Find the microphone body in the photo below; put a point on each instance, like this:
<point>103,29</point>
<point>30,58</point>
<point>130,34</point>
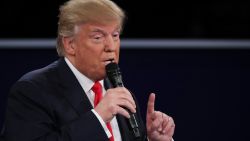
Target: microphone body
<point>114,76</point>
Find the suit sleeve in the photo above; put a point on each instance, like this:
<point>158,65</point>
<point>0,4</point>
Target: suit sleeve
<point>29,118</point>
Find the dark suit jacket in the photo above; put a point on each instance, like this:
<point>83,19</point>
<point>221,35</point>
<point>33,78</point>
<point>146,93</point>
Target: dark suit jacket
<point>49,105</point>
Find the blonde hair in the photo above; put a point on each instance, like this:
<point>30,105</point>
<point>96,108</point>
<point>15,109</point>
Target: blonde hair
<point>75,12</point>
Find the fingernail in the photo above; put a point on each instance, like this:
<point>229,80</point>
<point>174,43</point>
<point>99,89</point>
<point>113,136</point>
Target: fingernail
<point>134,111</point>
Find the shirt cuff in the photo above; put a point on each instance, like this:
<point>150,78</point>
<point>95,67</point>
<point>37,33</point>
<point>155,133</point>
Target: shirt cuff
<point>102,123</point>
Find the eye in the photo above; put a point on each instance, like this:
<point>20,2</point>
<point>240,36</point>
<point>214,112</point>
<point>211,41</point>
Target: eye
<point>116,35</point>
<point>98,38</point>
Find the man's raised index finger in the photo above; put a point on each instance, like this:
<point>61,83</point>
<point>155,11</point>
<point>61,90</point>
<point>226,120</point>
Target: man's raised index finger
<point>151,103</point>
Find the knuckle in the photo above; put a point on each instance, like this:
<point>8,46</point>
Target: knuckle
<point>170,118</point>
<point>125,102</point>
<point>123,112</point>
<point>128,103</point>
<point>173,125</point>
<point>108,92</point>
<point>123,88</point>
<point>120,89</point>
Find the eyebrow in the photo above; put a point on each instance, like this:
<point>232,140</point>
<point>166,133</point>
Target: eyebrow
<point>99,30</point>
<point>103,32</point>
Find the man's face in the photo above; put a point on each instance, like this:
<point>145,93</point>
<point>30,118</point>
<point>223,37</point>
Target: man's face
<point>95,46</point>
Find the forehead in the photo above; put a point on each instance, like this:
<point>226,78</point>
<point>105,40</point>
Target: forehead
<point>104,27</point>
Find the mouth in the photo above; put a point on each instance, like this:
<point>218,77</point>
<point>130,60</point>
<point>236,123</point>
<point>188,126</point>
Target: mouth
<point>109,61</point>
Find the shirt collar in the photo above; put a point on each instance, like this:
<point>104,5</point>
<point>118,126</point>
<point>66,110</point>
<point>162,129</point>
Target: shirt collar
<point>84,81</point>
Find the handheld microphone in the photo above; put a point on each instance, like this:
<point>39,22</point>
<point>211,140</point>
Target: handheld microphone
<point>114,76</point>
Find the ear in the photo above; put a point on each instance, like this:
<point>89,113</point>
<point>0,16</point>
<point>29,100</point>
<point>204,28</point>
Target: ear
<point>69,46</point>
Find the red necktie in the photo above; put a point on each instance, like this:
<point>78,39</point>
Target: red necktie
<point>97,89</point>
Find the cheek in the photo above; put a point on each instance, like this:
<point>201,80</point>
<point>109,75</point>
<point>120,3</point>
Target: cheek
<point>117,52</point>
<point>82,54</point>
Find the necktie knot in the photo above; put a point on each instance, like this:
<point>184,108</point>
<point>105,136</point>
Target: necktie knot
<point>97,87</point>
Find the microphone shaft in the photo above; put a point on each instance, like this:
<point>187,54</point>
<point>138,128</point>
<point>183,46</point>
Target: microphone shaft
<point>114,75</point>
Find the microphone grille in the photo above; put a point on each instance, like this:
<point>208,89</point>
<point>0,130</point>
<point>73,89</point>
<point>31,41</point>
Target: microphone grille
<point>114,74</point>
<point>112,67</point>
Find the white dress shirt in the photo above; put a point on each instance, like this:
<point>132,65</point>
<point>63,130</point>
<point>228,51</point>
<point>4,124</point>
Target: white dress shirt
<point>87,85</point>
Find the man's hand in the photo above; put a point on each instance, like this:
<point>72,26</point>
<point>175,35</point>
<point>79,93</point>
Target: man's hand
<point>114,102</point>
<point>160,127</point>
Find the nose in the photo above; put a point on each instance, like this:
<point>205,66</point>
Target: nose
<point>109,44</point>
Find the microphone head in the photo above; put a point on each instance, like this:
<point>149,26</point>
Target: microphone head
<point>114,74</point>
<point>112,67</point>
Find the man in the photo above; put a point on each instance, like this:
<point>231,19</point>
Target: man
<point>60,102</point>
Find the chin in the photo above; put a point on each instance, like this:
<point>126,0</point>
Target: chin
<point>100,76</point>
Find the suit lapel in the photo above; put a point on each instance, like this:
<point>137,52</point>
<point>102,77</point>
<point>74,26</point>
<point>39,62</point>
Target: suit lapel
<point>72,90</point>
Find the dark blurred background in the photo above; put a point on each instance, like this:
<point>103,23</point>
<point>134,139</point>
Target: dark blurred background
<point>206,90</point>
<point>146,19</point>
